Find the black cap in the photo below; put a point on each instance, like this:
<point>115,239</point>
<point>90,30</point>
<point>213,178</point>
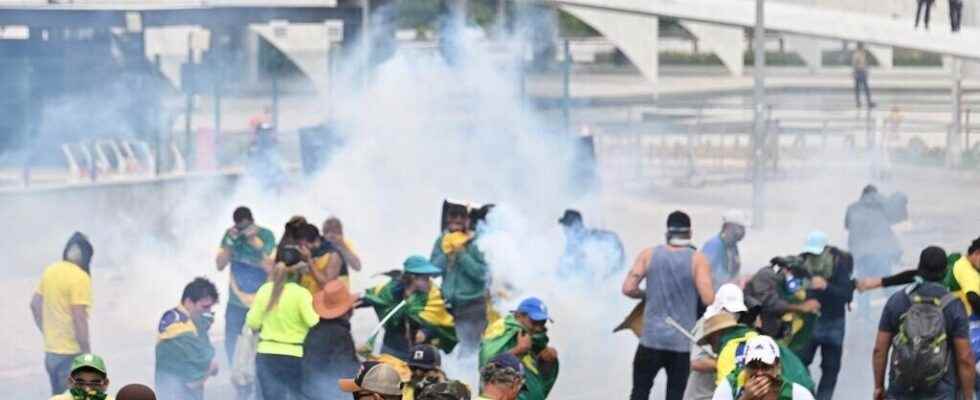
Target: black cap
<point>678,221</point>
<point>424,356</point>
<point>571,217</point>
<point>869,189</point>
<point>932,263</point>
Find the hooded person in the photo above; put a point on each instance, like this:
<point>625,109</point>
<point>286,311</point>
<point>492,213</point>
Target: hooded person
<point>422,318</point>
<point>727,338</point>
<point>701,382</point>
<point>465,275</point>
<point>60,306</point>
<point>762,377</point>
<point>524,334</point>
<point>328,350</point>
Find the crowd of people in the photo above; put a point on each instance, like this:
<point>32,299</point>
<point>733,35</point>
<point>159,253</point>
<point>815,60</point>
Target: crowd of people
<point>759,334</point>
<point>718,333</point>
<point>287,318</point>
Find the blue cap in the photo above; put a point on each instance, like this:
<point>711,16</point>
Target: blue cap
<point>816,241</point>
<point>534,308</point>
<point>420,266</point>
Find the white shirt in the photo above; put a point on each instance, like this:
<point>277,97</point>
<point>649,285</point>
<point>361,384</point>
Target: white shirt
<point>724,392</point>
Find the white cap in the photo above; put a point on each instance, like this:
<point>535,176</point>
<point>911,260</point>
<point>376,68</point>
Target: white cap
<point>761,348</point>
<point>728,298</point>
<point>737,217</point>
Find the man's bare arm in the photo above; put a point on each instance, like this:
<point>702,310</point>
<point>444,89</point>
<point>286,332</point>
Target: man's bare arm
<point>705,364</point>
<point>880,357</point>
<point>37,304</point>
<point>222,259</point>
<point>79,318</point>
<point>964,366</point>
<point>353,261</point>
<point>702,277</point>
<point>631,286</point>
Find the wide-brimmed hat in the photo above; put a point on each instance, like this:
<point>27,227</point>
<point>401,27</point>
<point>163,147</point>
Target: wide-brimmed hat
<point>719,322</point>
<point>333,300</point>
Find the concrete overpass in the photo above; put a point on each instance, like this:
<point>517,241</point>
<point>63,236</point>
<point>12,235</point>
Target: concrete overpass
<point>631,25</point>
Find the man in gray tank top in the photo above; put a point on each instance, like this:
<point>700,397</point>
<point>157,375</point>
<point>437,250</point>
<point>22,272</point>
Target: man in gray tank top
<point>677,276</point>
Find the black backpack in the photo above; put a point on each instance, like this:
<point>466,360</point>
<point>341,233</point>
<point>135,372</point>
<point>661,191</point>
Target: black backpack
<point>920,352</point>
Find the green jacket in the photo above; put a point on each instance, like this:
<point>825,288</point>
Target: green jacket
<point>501,336</point>
<point>183,348</point>
<point>465,281</point>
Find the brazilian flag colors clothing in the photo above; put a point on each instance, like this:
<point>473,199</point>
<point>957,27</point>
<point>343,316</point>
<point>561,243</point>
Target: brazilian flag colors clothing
<point>734,384</point>
<point>500,337</point>
<point>247,274</point>
<point>731,358</point>
<point>183,348</point>
<point>422,311</point>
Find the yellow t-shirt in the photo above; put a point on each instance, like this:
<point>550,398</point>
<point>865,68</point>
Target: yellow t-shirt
<point>62,286</point>
<point>320,264</point>
<point>968,279</point>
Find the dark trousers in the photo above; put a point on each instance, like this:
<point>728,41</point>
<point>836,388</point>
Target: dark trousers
<point>828,336</point>
<point>234,322</point>
<point>955,14</point>
<point>861,82</point>
<point>647,364</point>
<point>58,367</point>
<point>280,377</point>
<point>171,387</point>
<point>923,4</point>
<point>471,321</point>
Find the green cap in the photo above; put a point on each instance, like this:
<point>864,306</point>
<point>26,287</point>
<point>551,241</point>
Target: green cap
<point>89,361</point>
<point>420,266</point>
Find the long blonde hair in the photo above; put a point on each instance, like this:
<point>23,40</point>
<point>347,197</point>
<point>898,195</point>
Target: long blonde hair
<point>280,275</point>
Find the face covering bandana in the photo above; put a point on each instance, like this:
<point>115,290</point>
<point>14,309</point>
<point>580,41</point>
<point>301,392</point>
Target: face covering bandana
<point>87,394</point>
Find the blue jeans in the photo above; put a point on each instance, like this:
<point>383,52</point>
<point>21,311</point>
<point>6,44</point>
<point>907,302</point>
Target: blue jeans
<point>172,387</point>
<point>234,322</point>
<point>58,367</point>
<point>828,335</point>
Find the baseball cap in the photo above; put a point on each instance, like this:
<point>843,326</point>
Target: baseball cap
<point>90,361</point>
<point>504,362</point>
<point>450,390</point>
<point>374,377</point>
<point>420,265</point>
<point>571,217</point>
<point>816,241</point>
<point>425,356</point>
<point>729,298</point>
<point>761,348</point>
<point>736,217</point>
<point>534,308</point>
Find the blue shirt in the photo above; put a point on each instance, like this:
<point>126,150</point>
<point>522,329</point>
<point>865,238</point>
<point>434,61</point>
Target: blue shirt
<point>717,252</point>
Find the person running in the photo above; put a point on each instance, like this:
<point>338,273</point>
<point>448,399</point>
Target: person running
<point>88,379</point>
<point>283,314</point>
<point>465,275</point>
<point>722,249</point>
<point>779,290</point>
<point>524,333</point>
<point>184,354</point>
<point>591,254</point>
<point>374,381</point>
<point>248,248</point>
<point>328,350</point>
<point>870,238</point>
<point>677,277</point>
<point>761,379</point>
<point>924,313</point>
<point>502,378</point>
<point>60,307</point>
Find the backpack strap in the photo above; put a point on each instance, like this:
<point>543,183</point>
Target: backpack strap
<point>946,300</point>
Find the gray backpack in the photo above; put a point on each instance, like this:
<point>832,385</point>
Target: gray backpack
<point>920,353</point>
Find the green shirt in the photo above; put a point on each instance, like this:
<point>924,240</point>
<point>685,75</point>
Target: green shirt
<point>244,280</point>
<point>283,328</point>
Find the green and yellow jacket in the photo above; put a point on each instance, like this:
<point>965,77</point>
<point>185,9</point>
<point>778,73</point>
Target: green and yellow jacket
<point>423,311</point>
<point>183,348</point>
<point>501,336</point>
